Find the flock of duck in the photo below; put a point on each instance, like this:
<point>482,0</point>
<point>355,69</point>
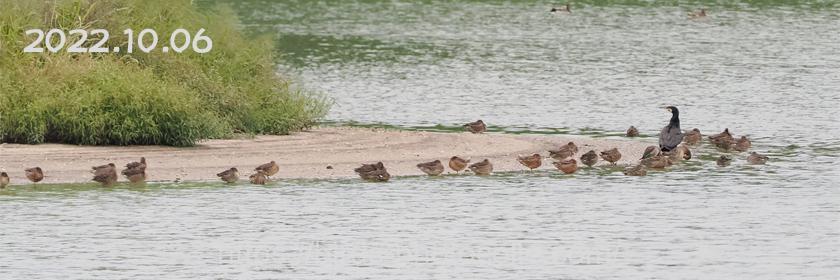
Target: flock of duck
<point>673,147</point>
<point>567,8</point>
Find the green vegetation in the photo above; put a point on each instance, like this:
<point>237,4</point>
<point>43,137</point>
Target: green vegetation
<point>155,98</point>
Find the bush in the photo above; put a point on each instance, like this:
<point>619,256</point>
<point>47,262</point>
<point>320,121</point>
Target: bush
<point>155,98</point>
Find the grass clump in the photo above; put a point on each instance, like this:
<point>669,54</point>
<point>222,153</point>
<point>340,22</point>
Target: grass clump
<point>141,98</point>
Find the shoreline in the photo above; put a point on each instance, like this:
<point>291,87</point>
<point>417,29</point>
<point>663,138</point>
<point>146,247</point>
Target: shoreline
<point>300,155</point>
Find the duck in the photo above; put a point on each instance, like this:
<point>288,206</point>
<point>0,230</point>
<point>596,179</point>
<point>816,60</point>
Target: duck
<point>724,160</point>
<point>756,158</point>
<point>611,155</point>
<point>258,178</point>
<point>432,168</point>
<point>651,151</point>
<point>229,176</point>
<point>698,14</point>
<point>476,127</point>
<point>457,164</point>
<point>135,175</point>
<point>743,144</point>
<point>34,174</point>
<point>567,166</point>
<point>671,135</point>
<point>105,174</point>
<point>693,137</point>
<point>632,132</point>
<point>636,170</point>
<point>679,154</point>
<point>565,151</point>
<point>565,8</point>
<point>483,167</point>
<point>531,161</point>
<point>135,165</point>
<point>4,180</point>
<point>269,169</point>
<point>590,158</point>
<point>378,175</point>
<point>724,136</point>
<point>657,162</point>
<point>369,167</point>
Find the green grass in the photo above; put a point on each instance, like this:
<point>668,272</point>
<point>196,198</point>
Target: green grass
<point>155,98</point>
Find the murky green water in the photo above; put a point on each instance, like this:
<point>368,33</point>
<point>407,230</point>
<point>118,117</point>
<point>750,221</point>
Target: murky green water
<point>767,69</point>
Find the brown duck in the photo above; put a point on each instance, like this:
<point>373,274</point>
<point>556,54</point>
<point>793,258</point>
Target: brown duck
<point>632,132</point>
<point>698,14</point>
<point>651,151</point>
<point>724,160</point>
<point>269,169</point>
<point>369,167</point>
<point>483,167</point>
<point>432,168</point>
<point>532,162</point>
<point>379,175</point>
<point>693,137</point>
<point>137,165</point>
<point>722,140</point>
<point>589,158</point>
<point>229,176</point>
<point>476,127</point>
<point>567,166</point>
<point>564,152</point>
<point>135,175</point>
<point>457,164</point>
<point>258,178</point>
<point>4,180</point>
<point>756,158</point>
<point>34,174</point>
<point>657,162</point>
<point>612,155</point>
<point>637,170</point>
<point>679,153</point>
<point>105,174</point>
<point>743,144</point>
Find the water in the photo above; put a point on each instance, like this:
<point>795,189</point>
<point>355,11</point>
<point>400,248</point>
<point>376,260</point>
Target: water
<point>766,69</point>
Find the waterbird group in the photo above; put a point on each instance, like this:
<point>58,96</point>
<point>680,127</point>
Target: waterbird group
<point>567,9</point>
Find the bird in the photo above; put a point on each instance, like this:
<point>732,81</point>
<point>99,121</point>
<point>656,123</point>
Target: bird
<point>671,134</point>
<point>369,167</point>
<point>657,162</point>
<point>567,166</point>
<point>698,14</point>
<point>693,137</point>
<point>632,132</point>
<point>565,8</point>
<point>134,165</point>
<point>4,180</point>
<point>269,169</point>
<point>743,144</point>
<point>483,167</point>
<point>457,164</point>
<point>565,151</point>
<point>611,155</point>
<point>722,139</point>
<point>589,158</point>
<point>432,168</point>
<point>476,127</point>
<point>531,161</point>
<point>258,178</point>
<point>636,170</point>
<point>378,175</point>
<point>34,174</point>
<point>105,174</point>
<point>679,154</point>
<point>724,160</point>
<point>651,151</point>
<point>229,176</point>
<point>756,158</point>
<point>135,175</point>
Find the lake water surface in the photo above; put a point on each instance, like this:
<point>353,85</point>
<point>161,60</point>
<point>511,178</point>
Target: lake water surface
<point>763,69</point>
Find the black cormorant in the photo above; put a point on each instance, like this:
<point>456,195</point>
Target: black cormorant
<point>671,135</point>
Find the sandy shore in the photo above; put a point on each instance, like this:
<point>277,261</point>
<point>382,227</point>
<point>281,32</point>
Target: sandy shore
<point>301,155</point>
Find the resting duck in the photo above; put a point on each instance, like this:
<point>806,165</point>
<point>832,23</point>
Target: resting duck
<point>722,140</point>
<point>105,174</point>
<point>611,155</point>
<point>724,160</point>
<point>476,127</point>
<point>651,151</point>
<point>743,144</point>
<point>679,154</point>
<point>564,152</point>
<point>698,14</point>
<point>532,162</point>
<point>632,132</point>
<point>693,137</point>
<point>258,178</point>
<point>637,170</point>
<point>373,172</point>
<point>567,166</point>
<point>369,167</point>
<point>457,164</point>
<point>432,168</point>
<point>229,176</point>
<point>483,167</point>
<point>4,180</point>
<point>657,162</point>
<point>34,174</point>
<point>136,171</point>
<point>269,169</point>
<point>756,158</point>
<point>589,158</point>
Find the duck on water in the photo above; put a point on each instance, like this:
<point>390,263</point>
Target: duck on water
<point>671,135</point>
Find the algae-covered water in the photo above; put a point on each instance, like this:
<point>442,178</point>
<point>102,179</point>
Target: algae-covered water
<point>765,69</point>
